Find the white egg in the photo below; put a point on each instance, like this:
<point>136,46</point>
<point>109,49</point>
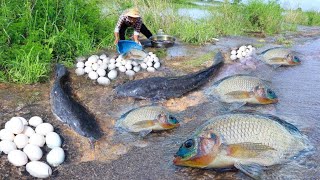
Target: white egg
<point>239,55</point>
<point>243,54</point>
<point>7,146</point>
<point>144,65</point>
<point>99,62</point>
<point>233,52</point>
<point>128,66</point>
<point>122,68</point>
<point>111,66</point>
<point>28,131</point>
<point>149,64</point>
<point>93,59</point>
<point>150,53</point>
<point>53,140</point>
<point>242,48</point>
<point>44,128</point>
<point>156,65</point>
<point>80,65</point>
<point>103,81</point>
<point>123,62</point>
<point>35,121</point>
<point>233,57</point>
<point>153,56</point>
<point>104,66</point>
<point>151,69</point>
<point>103,56</point>
<point>156,59</point>
<point>118,64</point>
<point>88,69</point>
<point>95,66</point>
<point>249,46</point>
<point>80,59</point>
<point>112,61</point>
<point>145,59</point>
<point>33,152</point>
<point>88,64</point>
<point>37,139</point>
<point>80,71</point>
<point>130,73</point>
<point>239,52</point>
<point>118,59</point>
<point>17,158</point>
<point>21,140</point>
<point>39,169</point>
<point>112,74</point>
<point>6,134</point>
<point>134,63</point>
<point>24,121</point>
<point>93,75</point>
<point>14,125</point>
<point>56,156</point>
<point>136,68</point>
<point>106,60</point>
<point>101,72</point>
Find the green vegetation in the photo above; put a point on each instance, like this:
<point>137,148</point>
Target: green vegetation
<point>36,34</point>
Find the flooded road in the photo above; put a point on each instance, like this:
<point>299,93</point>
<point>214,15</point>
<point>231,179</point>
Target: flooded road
<point>126,156</point>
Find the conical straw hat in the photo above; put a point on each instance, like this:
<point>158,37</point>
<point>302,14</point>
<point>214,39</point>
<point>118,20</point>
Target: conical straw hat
<point>133,12</point>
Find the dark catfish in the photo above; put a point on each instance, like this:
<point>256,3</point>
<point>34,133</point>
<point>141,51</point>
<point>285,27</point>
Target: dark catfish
<point>69,111</point>
<point>157,88</point>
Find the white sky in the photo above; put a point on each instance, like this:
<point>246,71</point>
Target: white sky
<point>304,4</point>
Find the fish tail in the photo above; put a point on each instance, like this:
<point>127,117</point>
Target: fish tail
<point>218,58</point>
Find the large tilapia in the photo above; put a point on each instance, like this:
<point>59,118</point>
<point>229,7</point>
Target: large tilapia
<point>157,88</point>
<point>146,119</point>
<point>243,89</point>
<point>245,141</point>
<point>280,56</point>
<point>69,111</point>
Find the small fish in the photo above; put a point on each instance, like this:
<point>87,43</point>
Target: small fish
<point>280,56</point>
<point>145,119</point>
<point>69,111</point>
<point>247,142</point>
<point>158,88</point>
<point>135,54</point>
<point>243,89</point>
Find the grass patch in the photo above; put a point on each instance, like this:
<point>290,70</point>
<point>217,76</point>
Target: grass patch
<point>199,60</point>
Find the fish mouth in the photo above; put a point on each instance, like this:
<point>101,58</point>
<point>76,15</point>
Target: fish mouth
<point>177,161</point>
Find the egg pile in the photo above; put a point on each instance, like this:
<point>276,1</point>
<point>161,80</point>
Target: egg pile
<point>104,69</point>
<point>242,52</point>
<point>22,141</point>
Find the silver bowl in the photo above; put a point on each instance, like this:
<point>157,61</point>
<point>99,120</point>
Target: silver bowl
<point>162,41</point>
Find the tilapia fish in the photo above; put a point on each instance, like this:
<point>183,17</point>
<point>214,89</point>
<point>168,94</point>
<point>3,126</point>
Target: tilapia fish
<point>243,89</point>
<point>244,141</point>
<point>69,111</point>
<point>158,88</point>
<point>135,54</point>
<point>280,56</point>
<point>146,119</point>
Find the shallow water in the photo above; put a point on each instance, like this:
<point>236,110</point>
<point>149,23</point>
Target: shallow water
<point>194,13</point>
<point>125,156</point>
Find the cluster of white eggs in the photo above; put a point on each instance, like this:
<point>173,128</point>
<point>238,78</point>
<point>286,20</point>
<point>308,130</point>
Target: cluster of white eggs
<point>104,69</point>
<point>21,142</point>
<point>242,52</point>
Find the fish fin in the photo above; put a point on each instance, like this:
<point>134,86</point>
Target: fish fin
<point>144,124</point>
<point>239,94</point>
<point>244,150</point>
<point>277,59</point>
<point>275,66</point>
<point>235,106</point>
<point>253,170</point>
<point>144,133</point>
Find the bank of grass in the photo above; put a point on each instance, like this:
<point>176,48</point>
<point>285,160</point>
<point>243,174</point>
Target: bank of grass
<point>36,34</point>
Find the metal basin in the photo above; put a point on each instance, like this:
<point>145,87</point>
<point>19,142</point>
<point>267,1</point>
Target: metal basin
<point>162,41</point>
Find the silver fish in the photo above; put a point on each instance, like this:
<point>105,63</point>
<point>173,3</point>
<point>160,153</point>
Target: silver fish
<point>245,141</point>
<point>280,56</point>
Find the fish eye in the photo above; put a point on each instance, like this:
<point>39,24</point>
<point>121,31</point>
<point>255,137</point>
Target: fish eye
<point>189,143</point>
<point>172,120</point>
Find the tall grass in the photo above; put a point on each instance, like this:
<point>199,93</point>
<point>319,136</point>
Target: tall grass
<point>309,18</point>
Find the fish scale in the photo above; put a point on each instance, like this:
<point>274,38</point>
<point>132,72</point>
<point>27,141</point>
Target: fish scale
<point>146,113</point>
<point>234,129</point>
